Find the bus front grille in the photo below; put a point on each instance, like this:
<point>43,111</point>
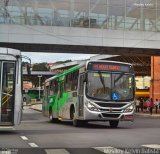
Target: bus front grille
<point>110,115</point>
<point>110,104</point>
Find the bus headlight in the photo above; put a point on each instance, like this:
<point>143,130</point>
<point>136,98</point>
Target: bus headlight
<point>129,108</point>
<point>91,107</point>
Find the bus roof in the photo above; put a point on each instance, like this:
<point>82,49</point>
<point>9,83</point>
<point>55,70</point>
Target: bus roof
<point>74,68</point>
<point>10,51</point>
<point>109,61</point>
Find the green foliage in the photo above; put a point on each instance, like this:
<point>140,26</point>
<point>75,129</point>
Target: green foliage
<point>61,62</point>
<point>40,67</point>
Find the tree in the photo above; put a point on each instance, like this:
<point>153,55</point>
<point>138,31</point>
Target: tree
<point>61,62</point>
<point>40,67</point>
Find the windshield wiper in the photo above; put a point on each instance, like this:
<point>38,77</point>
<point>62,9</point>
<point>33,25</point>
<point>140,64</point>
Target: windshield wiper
<point>121,74</point>
<point>102,80</point>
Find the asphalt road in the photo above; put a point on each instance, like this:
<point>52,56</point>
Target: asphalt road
<point>37,135</point>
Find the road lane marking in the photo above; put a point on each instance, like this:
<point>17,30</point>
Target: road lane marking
<point>24,138</point>
<point>154,146</point>
<point>33,145</point>
<point>56,151</point>
<point>110,149</point>
<point>5,152</point>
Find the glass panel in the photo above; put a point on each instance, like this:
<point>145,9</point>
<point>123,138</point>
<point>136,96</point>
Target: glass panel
<point>140,15</point>
<point>158,20</point>
<point>133,15</point>
<point>7,93</point>
<point>98,14</point>
<point>80,13</point>
<point>150,19</point>
<point>158,4</point>
<point>60,12</point>
<point>116,13</point>
<point>99,85</point>
<point>123,86</point>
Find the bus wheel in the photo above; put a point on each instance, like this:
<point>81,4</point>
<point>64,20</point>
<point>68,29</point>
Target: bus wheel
<point>51,117</point>
<point>76,123</point>
<point>113,123</point>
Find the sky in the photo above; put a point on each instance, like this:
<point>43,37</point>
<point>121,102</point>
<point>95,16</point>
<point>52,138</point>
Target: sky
<point>53,57</point>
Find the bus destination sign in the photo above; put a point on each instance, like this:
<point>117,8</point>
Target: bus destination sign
<point>108,67</point>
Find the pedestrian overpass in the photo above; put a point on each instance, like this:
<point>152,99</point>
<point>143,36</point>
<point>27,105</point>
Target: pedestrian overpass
<point>81,26</point>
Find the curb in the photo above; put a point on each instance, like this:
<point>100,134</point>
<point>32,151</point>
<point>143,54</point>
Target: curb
<point>35,109</point>
<point>147,116</point>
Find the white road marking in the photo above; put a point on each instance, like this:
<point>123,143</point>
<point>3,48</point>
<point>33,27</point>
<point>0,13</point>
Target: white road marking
<point>5,152</point>
<point>24,138</point>
<point>33,145</point>
<point>154,146</point>
<point>56,151</point>
<point>109,150</point>
<point>6,128</point>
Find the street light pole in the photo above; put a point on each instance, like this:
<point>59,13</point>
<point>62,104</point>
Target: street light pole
<point>39,76</point>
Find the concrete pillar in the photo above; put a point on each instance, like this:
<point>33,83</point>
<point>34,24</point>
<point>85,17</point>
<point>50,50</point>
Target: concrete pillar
<point>155,77</point>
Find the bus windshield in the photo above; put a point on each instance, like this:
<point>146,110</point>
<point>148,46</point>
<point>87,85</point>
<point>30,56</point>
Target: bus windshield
<point>110,86</point>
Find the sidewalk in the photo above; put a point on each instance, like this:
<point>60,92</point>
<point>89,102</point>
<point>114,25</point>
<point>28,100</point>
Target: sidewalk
<point>147,114</point>
<point>38,107</point>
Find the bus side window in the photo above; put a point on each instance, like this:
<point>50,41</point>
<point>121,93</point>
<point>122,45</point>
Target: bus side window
<point>51,89</point>
<point>75,80</point>
<point>67,84</point>
<point>61,89</point>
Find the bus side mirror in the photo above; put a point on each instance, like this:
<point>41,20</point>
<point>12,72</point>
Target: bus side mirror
<point>28,69</point>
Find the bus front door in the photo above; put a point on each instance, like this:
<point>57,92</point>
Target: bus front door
<point>81,94</point>
<point>7,91</point>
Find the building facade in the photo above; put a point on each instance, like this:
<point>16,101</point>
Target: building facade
<point>131,15</point>
<point>104,23</point>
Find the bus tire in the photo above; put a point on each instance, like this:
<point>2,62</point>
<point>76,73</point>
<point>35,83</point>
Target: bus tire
<point>51,118</point>
<point>113,123</point>
<point>75,121</point>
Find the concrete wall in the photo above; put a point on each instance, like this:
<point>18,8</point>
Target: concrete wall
<point>78,36</point>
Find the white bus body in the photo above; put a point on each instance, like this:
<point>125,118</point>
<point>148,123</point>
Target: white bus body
<point>10,87</point>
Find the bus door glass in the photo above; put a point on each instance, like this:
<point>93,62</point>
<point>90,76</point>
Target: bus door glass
<point>60,101</point>
<point>7,92</point>
<point>81,93</point>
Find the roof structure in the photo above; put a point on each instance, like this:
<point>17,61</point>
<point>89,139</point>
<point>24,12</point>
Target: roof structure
<point>141,64</point>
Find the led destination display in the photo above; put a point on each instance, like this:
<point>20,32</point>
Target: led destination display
<point>100,66</point>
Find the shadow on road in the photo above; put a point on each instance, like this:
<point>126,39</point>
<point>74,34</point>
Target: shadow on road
<point>89,125</point>
<point>8,132</point>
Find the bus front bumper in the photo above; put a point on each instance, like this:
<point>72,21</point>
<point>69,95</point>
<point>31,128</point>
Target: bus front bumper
<point>106,116</point>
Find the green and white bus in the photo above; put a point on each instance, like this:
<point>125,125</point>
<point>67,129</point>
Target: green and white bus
<point>33,93</point>
<point>95,91</point>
